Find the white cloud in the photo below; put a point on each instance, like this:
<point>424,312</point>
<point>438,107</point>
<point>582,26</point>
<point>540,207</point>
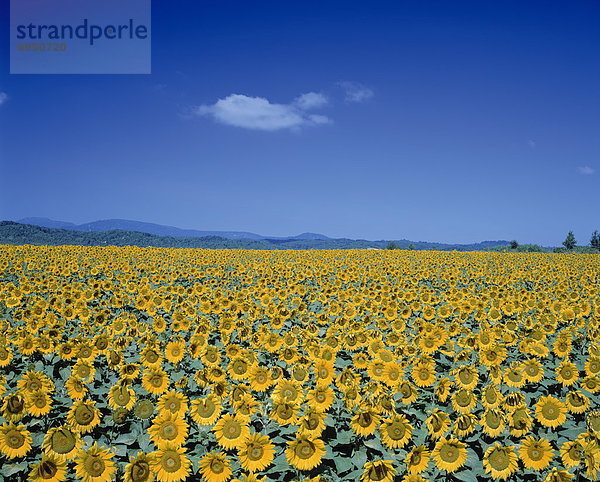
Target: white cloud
<point>355,92</point>
<point>3,97</point>
<point>586,170</point>
<point>259,113</point>
<point>311,100</point>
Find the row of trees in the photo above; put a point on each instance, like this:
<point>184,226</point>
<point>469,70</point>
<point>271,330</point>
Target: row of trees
<point>570,242</point>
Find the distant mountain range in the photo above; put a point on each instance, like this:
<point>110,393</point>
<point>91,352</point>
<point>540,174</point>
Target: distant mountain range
<point>122,232</point>
<point>157,229</point>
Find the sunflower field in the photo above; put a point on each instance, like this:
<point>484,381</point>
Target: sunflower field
<point>148,364</point>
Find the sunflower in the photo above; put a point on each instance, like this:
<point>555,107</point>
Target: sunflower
<point>15,440</point>
<point>558,475</point>
<point>378,471</point>
<point>239,368</point>
<point>288,390</point>
<point>206,411</point>
<point>550,412</point>
<point>175,351</point>
<point>83,371</point>
<point>324,372</point>
<point>364,423</point>
<point>170,464</point>
<point>284,413</point>
<point>577,402</point>
<point>143,409</point>
<point>514,377</point>
<point>215,467</point>
<point>532,370</point>
<point>535,453</point>
<point>519,421</point>
<point>493,422</point>
<point>500,462</point>
<point>49,469</point>
<point>571,453</point>
<point>76,388</point>
<point>449,454</point>
<point>567,373</point>
<point>592,365</point>
<point>231,430</point>
<point>392,374</point>
<point>95,464</point>
<point>396,432</point>
<point>33,381</point>
<point>256,452</point>
<point>14,407</point>
<point>84,416</point>
<point>39,403</point>
<point>491,397</point>
<point>442,389</point>
<point>463,401</point>
<point>155,381</point>
<point>312,423</point>
<point>173,402</point>
<point>591,383</point>
<point>465,425</point>
<point>121,396</point>
<point>321,398</point>
<point>423,374</point>
<point>305,452</point>
<point>168,429</point>
<point>260,379</point>
<point>417,459</point>
<point>151,357</point>
<point>408,393</point>
<point>466,377</point>
<point>437,423</point>
<point>62,443</point>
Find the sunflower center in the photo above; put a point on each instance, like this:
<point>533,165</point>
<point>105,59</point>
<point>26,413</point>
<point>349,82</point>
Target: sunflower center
<point>206,408</point>
<point>152,356</point>
<point>449,453</point>
<point>14,439</point>
<point>396,430</point>
<point>377,473</point>
<point>122,396</point>
<point>40,402</point>
<point>84,415</point>
<point>94,465</point>
<point>305,449</point>
<point>320,396</point>
<point>463,398</point>
<point>173,405</point>
<point>63,441</point>
<point>15,404</point>
<point>499,460</point>
<point>47,469</point>
<point>156,381</point>
<point>232,429</point>
<point>365,419</point>
<point>493,420</point>
<point>285,411</point>
<point>170,461</point>
<point>217,466</point>
<point>550,412</point>
<point>168,430</point>
<point>240,367</point>
<point>415,458</point>
<point>255,451</point>
<point>491,396</point>
<point>535,453</point>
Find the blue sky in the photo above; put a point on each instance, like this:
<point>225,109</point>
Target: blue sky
<point>437,121</point>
